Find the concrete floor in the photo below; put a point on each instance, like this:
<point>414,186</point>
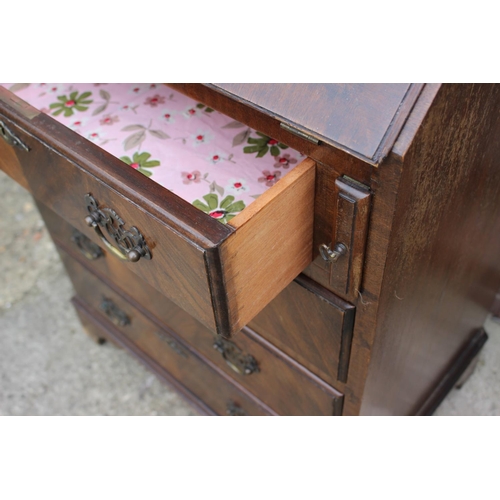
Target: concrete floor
<point>48,366</point>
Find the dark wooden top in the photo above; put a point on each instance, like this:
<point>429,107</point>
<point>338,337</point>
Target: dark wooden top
<point>361,118</point>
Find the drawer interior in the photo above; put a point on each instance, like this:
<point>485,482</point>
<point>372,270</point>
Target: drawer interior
<point>208,159</point>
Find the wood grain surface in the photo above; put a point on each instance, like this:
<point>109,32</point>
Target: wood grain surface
<point>271,245</point>
<point>281,383</point>
<point>442,268</point>
<point>361,118</point>
<point>189,376</point>
<point>305,321</point>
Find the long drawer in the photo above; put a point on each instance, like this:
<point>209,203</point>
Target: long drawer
<point>255,364</point>
<point>169,359</point>
<point>217,273</point>
<point>308,323</point>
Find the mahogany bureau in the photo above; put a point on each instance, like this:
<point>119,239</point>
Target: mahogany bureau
<point>356,285</point>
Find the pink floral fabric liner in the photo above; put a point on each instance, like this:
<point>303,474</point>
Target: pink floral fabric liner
<point>215,163</point>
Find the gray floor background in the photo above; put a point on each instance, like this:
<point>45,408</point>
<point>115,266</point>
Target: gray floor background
<point>48,366</point>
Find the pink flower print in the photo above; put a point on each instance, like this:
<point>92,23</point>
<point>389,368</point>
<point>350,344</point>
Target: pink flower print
<point>125,107</point>
<point>284,161</point>
<point>190,112</point>
<point>154,101</point>
<point>137,89</point>
<point>53,88</point>
<point>109,120</point>
<point>270,178</point>
<point>78,123</point>
<point>215,157</point>
<point>152,86</point>
<point>236,185</point>
<point>201,137</point>
<point>95,135</point>
<point>168,116</point>
<point>190,177</point>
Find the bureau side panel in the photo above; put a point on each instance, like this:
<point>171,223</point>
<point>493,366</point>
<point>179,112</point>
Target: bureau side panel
<point>442,269</point>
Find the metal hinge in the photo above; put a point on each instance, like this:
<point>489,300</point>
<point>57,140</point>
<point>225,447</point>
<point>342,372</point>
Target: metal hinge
<point>298,132</point>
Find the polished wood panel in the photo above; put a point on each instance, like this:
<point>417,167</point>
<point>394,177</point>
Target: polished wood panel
<point>360,118</point>
<point>307,322</point>
<point>281,383</point>
<point>352,210</point>
<point>442,267</point>
<point>312,325</point>
<point>177,366</point>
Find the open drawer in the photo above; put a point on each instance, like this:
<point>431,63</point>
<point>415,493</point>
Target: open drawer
<point>221,274</point>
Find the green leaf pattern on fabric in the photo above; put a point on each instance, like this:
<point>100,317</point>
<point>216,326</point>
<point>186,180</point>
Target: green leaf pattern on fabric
<point>223,211</point>
<point>262,145</point>
<point>141,162</point>
<point>204,108</point>
<point>69,104</point>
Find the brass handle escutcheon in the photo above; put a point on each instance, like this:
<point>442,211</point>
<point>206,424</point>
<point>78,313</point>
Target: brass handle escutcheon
<point>86,246</point>
<point>244,364</point>
<point>130,244</point>
<point>114,313</point>
<point>10,138</point>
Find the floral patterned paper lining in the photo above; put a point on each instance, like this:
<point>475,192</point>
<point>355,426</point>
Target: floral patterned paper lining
<point>208,159</point>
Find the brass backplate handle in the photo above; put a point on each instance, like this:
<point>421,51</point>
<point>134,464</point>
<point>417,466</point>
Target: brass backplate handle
<point>10,138</point>
<point>114,313</point>
<point>130,244</point>
<point>244,364</point>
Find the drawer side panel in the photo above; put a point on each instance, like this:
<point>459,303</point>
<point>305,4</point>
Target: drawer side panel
<point>271,246</point>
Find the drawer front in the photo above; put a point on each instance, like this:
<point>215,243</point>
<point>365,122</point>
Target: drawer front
<point>307,322</point>
<point>177,267</point>
<point>312,325</point>
<point>252,362</point>
<point>217,273</point>
<point>127,328</point>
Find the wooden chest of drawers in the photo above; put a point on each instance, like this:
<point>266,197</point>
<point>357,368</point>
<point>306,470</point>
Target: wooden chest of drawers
<point>357,284</point>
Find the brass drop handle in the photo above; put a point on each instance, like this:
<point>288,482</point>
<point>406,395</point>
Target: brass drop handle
<point>114,313</point>
<point>244,364</point>
<point>234,410</point>
<point>10,138</point>
<point>330,255</point>
<point>130,244</point>
<point>132,255</point>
